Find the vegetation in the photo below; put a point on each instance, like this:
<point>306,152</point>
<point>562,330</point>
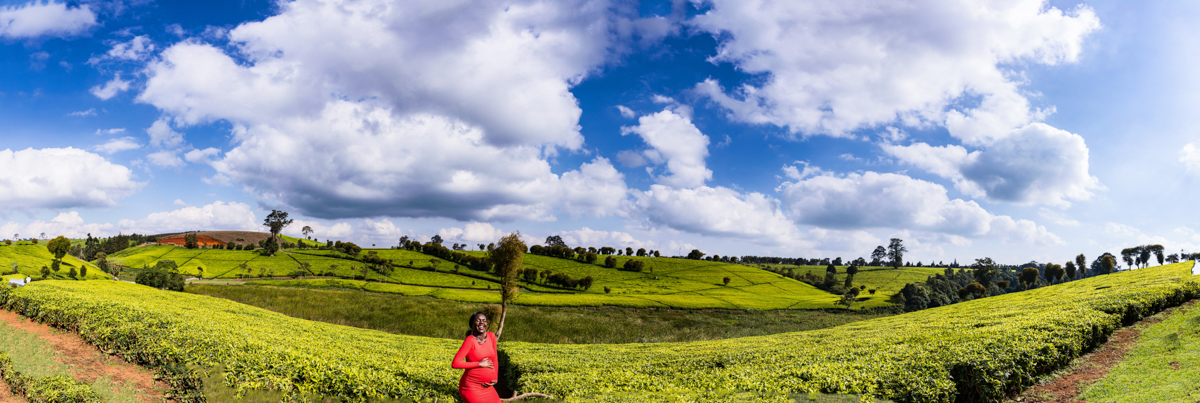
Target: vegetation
<point>431,317</point>
<point>1161,367</point>
<point>51,389</point>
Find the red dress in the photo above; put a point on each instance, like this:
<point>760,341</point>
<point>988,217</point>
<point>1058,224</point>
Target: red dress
<point>468,358</point>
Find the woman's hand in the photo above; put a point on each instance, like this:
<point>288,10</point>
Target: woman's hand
<point>489,384</point>
<point>486,363</point>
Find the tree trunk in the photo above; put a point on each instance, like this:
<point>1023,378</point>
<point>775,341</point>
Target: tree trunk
<point>503,313</point>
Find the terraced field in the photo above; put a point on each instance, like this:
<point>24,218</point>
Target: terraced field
<point>978,350</point>
<point>30,259</point>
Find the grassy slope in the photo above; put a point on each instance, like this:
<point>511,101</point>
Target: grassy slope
<point>433,317</point>
<point>665,283</point>
<point>885,280</point>
<point>30,259</point>
<point>1149,373</point>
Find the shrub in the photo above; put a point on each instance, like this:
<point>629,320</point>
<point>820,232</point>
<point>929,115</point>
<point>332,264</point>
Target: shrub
<point>726,280</point>
<point>607,290</point>
<point>633,265</point>
<point>590,257</point>
<point>610,262</point>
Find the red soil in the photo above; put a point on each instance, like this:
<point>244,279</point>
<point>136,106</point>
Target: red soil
<point>200,239</point>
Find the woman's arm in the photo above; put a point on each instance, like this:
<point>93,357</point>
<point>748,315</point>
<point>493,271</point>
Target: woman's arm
<point>460,359</point>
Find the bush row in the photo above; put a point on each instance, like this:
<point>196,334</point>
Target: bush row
<point>52,389</point>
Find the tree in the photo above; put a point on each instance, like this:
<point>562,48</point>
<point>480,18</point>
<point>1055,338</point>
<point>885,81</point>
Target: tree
<point>83,270</point>
<point>1158,253</point>
<point>102,263</point>
<point>641,252</point>
<point>977,289</point>
<point>878,255</point>
<point>43,236</point>
<point>1081,263</point>
<point>628,251</point>
<point>1070,268</point>
<point>849,297</point>
<point>985,270</point>
<point>633,265</point>
<point>1054,272</point>
<point>271,246</point>
<point>1106,264</point>
<point>162,276</point>
<point>555,240</point>
<point>438,239</point>
<point>1029,276</point>
<point>1144,255</point>
<point>189,240</point>
<point>276,221</point>
<point>307,230</point>
<point>1128,254</point>
<point>896,251</point>
<point>610,262</point>
<point>506,258</point>
<point>59,247</point>
<point>726,280</point>
<point>695,254</point>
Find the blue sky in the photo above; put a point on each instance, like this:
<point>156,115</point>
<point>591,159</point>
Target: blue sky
<point>1019,130</point>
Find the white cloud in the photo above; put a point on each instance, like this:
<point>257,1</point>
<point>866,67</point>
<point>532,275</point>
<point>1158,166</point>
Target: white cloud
<point>1037,164</point>
<point>397,107</point>
<point>111,88</point>
<point>201,156</point>
<point>1189,155</point>
<point>137,48</point>
<point>589,237</point>
<point>61,178</point>
<point>1057,217</point>
<point>217,216</point>
<point>631,159</point>
<point>472,232</point>
<point>715,211</point>
<point>161,134</point>
<point>118,145</point>
<point>89,112</point>
<point>68,224</point>
<point>874,200</point>
<point>116,130</point>
<point>678,143</point>
<point>165,158</point>
<point>180,202</point>
<point>337,230</point>
<point>49,18</point>
<point>626,112</point>
<point>833,67</point>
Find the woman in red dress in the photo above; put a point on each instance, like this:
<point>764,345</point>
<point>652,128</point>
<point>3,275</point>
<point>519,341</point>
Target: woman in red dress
<point>478,357</point>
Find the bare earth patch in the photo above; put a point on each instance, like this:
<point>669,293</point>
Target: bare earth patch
<point>1092,367</point>
<point>88,362</point>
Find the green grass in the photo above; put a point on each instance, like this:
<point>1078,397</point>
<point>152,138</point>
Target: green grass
<point>1148,373</point>
<point>886,281</point>
<point>30,259</point>
<point>432,317</point>
<point>34,357</point>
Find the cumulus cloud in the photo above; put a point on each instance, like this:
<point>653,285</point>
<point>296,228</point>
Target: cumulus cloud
<point>412,109</point>
<point>165,158</point>
<point>674,140</point>
<point>61,178</point>
<point>874,200</point>
<point>472,232</point>
<point>217,216</point>
<point>118,145</point>
<point>161,134</point>
<point>201,156</point>
<point>47,18</point>
<point>1037,164</point>
<point>626,112</point>
<point>589,237</point>
<point>180,203</point>
<point>68,224</point>
<point>138,48</point>
<point>1189,155</point>
<point>336,230</point>
<point>111,88</point>
<point>715,211</point>
<point>833,67</point>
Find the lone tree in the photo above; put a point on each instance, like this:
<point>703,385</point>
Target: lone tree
<point>1107,263</point>
<point>59,247</point>
<point>1158,252</point>
<point>555,240</point>
<point>985,270</point>
<point>436,239</point>
<point>896,251</point>
<point>307,230</point>
<point>1029,276</point>
<point>276,221</point>
<point>506,258</point>
<point>1070,268</point>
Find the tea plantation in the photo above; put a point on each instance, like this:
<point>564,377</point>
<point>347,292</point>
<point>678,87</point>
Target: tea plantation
<point>978,350</point>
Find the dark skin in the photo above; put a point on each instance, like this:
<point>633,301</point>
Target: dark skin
<point>479,330</point>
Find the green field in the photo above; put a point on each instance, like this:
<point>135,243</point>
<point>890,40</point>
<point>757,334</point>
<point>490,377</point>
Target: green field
<point>886,281</point>
<point>432,317</point>
<point>1163,365</point>
<point>30,259</point>
<point>977,350</point>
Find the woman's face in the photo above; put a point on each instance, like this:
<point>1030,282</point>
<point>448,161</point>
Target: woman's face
<point>480,324</point>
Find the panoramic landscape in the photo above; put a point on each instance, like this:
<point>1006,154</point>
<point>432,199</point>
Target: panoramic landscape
<point>599,201</point>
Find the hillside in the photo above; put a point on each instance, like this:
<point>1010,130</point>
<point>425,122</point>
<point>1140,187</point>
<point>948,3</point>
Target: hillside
<point>30,258</point>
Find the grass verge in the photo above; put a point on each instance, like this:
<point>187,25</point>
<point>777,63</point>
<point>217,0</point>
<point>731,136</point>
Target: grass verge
<point>1162,366</point>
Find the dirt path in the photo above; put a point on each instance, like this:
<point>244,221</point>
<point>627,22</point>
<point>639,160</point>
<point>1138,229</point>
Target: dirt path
<point>1090,368</point>
<point>88,362</point>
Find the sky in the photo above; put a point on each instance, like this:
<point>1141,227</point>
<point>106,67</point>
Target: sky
<point>1019,130</point>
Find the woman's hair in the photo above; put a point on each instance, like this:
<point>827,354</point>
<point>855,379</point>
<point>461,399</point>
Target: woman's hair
<point>471,322</point>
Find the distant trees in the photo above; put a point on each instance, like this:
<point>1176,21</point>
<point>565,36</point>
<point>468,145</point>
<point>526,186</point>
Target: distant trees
<point>164,276</point>
<point>1107,263</point>
<point>985,270</point>
<point>695,254</point>
<point>1081,263</point>
<point>555,240</point>
<point>1070,270</point>
<point>878,255</point>
<point>610,262</point>
<point>190,241</point>
<point>633,265</point>
<point>438,239</point>
<point>1054,273</point>
<point>726,280</point>
<point>1029,277</point>
<point>641,252</point>
<point>59,247</point>
<point>506,258</point>
<point>896,251</point>
<point>606,250</point>
<point>1157,250</point>
<point>307,230</point>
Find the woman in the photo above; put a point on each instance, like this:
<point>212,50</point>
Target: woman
<point>478,357</point>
